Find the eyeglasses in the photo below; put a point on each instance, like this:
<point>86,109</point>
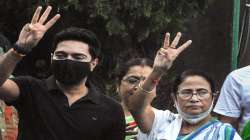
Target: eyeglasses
<point>187,94</point>
<point>133,80</point>
<point>74,57</point>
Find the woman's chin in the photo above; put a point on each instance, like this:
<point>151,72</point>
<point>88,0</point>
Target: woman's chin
<point>194,111</point>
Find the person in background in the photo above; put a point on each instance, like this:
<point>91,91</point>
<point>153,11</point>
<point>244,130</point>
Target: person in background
<point>193,94</point>
<point>8,114</point>
<point>233,105</point>
<point>65,106</point>
<point>129,75</point>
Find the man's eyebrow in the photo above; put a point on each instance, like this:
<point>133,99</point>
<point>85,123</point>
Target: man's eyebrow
<point>79,54</point>
<point>59,52</point>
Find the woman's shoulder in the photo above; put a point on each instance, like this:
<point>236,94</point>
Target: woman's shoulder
<point>227,131</point>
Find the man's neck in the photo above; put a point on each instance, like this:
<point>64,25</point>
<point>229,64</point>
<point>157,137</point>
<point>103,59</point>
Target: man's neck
<point>74,92</point>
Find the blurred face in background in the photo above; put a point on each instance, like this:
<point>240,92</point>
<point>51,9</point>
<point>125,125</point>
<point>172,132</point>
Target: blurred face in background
<point>130,81</point>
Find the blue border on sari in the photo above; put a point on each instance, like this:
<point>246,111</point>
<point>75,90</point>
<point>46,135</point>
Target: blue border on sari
<point>192,135</point>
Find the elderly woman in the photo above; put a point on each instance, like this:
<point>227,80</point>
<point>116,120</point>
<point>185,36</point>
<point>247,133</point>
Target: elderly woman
<point>193,94</point>
<point>129,75</point>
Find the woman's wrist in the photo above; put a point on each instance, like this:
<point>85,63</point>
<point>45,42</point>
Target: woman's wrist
<point>157,73</point>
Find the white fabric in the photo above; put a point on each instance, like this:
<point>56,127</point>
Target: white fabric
<point>166,126</point>
<point>193,119</point>
<point>234,98</point>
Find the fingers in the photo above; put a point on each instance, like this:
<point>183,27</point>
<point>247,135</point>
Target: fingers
<point>45,15</point>
<point>184,46</point>
<point>26,27</point>
<point>166,41</point>
<point>52,21</point>
<point>36,15</point>
<point>163,52</point>
<point>176,40</point>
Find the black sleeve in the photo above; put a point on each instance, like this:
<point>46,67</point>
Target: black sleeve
<point>117,131</point>
<point>24,84</point>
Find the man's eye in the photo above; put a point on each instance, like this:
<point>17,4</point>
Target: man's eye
<point>60,55</point>
<point>132,80</point>
<point>79,57</point>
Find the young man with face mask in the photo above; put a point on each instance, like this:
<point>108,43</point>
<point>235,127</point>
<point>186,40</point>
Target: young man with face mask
<point>65,106</point>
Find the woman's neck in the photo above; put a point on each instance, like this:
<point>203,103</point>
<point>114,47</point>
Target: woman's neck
<point>125,109</point>
<point>187,128</point>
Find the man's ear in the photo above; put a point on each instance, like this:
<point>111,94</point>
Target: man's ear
<point>93,64</point>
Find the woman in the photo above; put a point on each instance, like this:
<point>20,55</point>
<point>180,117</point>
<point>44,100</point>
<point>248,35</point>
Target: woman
<point>128,77</point>
<point>193,93</point>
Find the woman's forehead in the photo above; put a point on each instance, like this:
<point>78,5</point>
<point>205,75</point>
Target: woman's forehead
<point>139,70</point>
<point>195,82</point>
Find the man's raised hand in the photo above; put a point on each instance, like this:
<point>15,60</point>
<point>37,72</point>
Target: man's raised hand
<point>33,32</point>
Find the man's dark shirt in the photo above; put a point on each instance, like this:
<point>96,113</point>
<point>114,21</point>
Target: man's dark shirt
<point>45,114</point>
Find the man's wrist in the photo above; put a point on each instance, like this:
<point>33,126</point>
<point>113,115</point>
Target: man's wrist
<point>16,54</point>
<point>20,49</point>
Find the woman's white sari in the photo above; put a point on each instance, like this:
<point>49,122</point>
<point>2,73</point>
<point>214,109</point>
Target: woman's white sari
<point>167,126</point>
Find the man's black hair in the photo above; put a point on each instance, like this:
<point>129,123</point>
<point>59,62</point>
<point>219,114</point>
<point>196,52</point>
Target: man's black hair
<point>79,34</point>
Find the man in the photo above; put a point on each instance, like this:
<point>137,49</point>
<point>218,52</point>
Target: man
<point>65,106</point>
<point>233,105</point>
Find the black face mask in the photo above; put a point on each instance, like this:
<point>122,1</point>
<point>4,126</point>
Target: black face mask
<point>69,72</point>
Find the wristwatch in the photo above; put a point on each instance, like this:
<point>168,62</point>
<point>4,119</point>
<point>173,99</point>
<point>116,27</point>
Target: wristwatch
<point>21,50</point>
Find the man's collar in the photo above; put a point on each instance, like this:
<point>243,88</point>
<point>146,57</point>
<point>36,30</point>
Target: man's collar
<point>93,94</point>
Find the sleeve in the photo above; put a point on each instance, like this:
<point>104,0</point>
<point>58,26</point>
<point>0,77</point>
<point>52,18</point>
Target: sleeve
<point>160,117</point>
<point>117,132</point>
<point>228,103</point>
<point>24,85</point>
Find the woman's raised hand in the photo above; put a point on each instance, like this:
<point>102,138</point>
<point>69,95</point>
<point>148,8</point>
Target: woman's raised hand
<point>168,53</point>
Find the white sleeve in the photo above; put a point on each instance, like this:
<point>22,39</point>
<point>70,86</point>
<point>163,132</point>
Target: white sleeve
<point>228,103</point>
<point>237,137</point>
<point>160,117</point>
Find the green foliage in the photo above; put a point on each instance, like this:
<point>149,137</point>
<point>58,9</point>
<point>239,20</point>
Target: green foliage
<point>137,18</point>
